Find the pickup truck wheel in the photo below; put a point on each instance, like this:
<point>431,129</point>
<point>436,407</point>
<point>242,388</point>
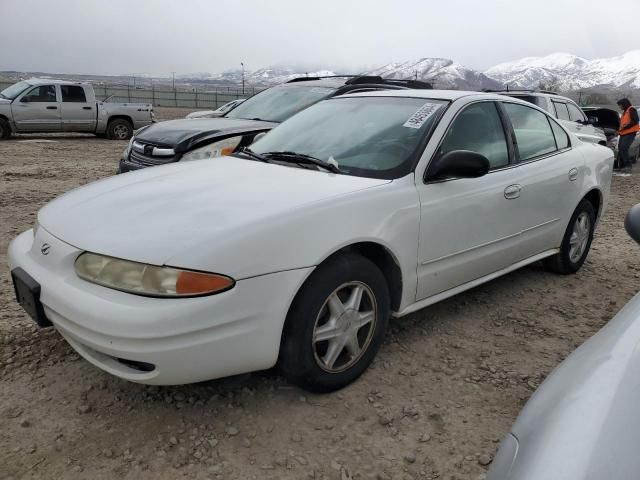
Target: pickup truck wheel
<point>576,241</point>
<point>119,129</point>
<point>5,129</point>
<point>335,325</point>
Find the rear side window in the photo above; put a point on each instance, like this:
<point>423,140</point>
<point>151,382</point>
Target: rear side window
<point>533,132</point>
<point>562,139</point>
<point>561,110</point>
<point>478,128</point>
<point>73,93</point>
<point>575,114</point>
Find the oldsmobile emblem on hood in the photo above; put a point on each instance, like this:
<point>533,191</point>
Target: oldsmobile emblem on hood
<point>44,249</point>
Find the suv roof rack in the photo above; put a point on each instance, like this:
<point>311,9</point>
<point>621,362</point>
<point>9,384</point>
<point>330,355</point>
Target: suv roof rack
<point>520,90</point>
<point>370,80</point>
<point>304,79</point>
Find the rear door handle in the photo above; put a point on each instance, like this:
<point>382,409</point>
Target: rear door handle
<point>86,108</point>
<point>573,174</point>
<point>52,108</point>
<point>512,191</point>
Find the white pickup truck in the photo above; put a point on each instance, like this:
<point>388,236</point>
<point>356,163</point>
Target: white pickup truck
<point>45,105</point>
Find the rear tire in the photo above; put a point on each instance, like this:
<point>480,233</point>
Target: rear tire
<point>119,129</point>
<point>335,325</point>
<point>5,129</point>
<point>576,241</point>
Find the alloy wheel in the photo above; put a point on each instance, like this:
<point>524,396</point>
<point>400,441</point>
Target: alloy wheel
<point>579,237</point>
<point>344,327</point>
<point>121,132</point>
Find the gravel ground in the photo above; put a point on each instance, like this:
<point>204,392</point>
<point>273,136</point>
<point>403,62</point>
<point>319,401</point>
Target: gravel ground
<point>444,389</point>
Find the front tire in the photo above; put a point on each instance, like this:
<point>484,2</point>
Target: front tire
<point>119,129</point>
<point>576,241</point>
<point>5,129</point>
<point>335,325</point>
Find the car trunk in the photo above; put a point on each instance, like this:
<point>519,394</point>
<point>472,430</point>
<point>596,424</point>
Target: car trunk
<point>607,119</point>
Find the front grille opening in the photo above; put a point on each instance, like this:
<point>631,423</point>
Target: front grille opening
<point>140,366</point>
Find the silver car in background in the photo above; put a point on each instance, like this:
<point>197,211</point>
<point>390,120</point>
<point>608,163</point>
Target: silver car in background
<point>583,423</point>
<point>218,112</point>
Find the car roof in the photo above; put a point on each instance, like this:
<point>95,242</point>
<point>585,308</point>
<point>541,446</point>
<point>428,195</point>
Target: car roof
<point>331,82</point>
<point>450,95</point>
<point>52,81</point>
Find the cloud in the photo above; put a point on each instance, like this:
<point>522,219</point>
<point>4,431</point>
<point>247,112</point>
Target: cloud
<point>161,36</point>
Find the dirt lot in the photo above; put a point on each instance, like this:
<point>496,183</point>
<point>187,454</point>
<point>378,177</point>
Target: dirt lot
<point>444,389</point>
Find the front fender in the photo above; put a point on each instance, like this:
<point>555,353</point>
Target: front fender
<point>388,215</point>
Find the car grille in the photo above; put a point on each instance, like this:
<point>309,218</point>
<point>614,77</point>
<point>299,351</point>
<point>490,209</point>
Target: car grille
<point>138,156</point>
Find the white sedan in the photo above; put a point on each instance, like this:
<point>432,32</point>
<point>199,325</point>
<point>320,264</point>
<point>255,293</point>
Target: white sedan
<point>297,251</point>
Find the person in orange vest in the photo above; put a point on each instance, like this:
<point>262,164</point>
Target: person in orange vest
<point>629,127</point>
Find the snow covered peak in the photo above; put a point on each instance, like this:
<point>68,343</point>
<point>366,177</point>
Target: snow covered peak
<point>569,72</point>
<point>441,72</point>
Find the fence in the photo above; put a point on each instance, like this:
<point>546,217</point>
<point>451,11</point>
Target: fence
<point>210,98</point>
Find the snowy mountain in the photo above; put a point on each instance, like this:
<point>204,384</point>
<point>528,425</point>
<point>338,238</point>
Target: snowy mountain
<point>570,72</point>
<point>441,72</point>
<point>267,76</point>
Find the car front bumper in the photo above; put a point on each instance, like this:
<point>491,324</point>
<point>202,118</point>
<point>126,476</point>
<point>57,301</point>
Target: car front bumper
<point>177,341</point>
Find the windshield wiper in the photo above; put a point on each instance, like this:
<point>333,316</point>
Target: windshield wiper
<point>1,95</point>
<point>250,153</point>
<point>302,158</point>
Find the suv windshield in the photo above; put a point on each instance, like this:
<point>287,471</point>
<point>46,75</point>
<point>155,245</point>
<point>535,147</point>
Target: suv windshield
<point>367,136</point>
<point>14,90</point>
<point>276,104</point>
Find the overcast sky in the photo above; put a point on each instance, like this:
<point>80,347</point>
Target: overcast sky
<point>161,36</point>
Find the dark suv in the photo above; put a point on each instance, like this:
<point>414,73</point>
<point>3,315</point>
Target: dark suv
<point>202,138</point>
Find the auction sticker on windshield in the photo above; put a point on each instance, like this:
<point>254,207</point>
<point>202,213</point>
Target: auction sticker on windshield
<point>422,115</point>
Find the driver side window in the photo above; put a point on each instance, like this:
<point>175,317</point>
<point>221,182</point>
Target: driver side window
<point>42,93</point>
<point>478,128</point>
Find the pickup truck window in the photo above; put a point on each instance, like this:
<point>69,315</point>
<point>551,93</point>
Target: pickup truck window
<point>73,93</point>
<point>42,93</point>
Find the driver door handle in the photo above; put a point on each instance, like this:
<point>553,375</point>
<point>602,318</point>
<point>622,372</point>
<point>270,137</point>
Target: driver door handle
<point>52,108</point>
<point>512,191</point>
<point>573,174</point>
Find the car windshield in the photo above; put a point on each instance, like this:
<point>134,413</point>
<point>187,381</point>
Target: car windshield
<point>367,136</point>
<point>14,90</point>
<point>279,103</point>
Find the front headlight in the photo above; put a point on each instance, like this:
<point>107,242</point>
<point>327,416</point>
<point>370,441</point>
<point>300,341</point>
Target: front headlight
<point>127,150</point>
<point>149,280</point>
<point>213,150</point>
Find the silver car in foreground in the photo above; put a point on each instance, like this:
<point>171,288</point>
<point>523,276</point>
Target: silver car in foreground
<point>583,423</point>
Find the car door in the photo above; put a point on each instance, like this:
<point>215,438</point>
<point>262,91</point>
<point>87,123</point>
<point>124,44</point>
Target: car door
<point>549,172</point>
<point>469,227</point>
<point>37,110</point>
<point>585,131</point>
<point>78,115</point>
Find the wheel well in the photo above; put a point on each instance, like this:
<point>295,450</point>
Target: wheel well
<point>385,262</point>
<point>120,117</point>
<point>595,198</point>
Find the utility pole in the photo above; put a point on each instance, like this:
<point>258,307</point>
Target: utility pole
<point>174,79</point>
<point>242,64</point>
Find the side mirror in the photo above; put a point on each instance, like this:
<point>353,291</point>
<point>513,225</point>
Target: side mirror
<point>459,164</point>
<point>593,120</point>
<point>25,99</point>
<point>632,222</point>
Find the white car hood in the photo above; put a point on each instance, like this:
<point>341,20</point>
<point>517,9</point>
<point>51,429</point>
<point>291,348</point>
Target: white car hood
<point>152,215</point>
